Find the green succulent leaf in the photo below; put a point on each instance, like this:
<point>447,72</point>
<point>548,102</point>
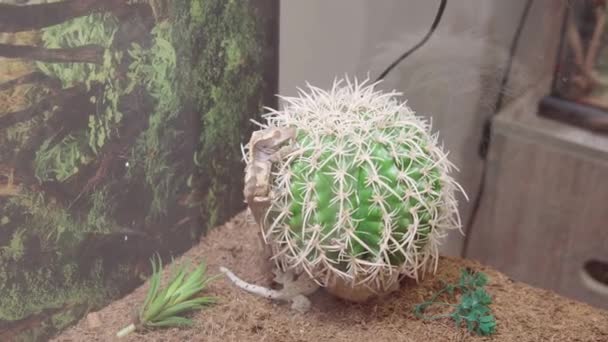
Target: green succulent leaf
<point>172,322</point>
<point>164,307</point>
<point>154,283</point>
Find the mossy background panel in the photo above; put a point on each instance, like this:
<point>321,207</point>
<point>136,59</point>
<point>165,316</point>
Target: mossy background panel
<point>120,133</point>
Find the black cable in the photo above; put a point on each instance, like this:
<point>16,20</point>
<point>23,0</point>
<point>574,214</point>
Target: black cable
<point>417,46</point>
<point>487,129</point>
<point>486,133</point>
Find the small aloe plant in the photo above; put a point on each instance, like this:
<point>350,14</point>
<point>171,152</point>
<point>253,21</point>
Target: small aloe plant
<point>165,307</point>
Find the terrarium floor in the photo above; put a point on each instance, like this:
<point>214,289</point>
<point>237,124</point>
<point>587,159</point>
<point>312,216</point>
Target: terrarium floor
<point>523,313</point>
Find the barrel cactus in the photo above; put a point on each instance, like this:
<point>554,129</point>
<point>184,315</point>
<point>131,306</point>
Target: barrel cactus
<point>363,194</point>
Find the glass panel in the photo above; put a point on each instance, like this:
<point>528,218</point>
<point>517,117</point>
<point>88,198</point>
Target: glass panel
<point>582,71</point>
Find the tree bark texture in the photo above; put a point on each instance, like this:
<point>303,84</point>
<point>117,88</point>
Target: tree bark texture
<point>34,17</point>
<point>82,54</point>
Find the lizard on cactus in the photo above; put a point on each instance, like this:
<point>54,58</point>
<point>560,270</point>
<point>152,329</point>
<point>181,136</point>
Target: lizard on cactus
<point>350,189</point>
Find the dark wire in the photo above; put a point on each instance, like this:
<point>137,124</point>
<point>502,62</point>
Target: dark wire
<point>487,129</point>
<point>417,46</point>
<point>512,52</point>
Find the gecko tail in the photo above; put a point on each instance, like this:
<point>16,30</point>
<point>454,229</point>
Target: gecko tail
<point>251,288</point>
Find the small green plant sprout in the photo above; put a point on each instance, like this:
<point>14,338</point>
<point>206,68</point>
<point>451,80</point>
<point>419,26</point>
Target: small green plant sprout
<point>473,308</point>
<point>165,308</point>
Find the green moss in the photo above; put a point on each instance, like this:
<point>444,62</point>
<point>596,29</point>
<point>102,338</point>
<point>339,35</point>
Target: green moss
<point>228,91</point>
<point>15,248</point>
<point>95,29</point>
<point>98,29</point>
<point>69,272</point>
<point>53,224</point>
<point>33,292</point>
<point>234,54</point>
<point>63,160</point>
<point>57,290</point>
<point>216,70</point>
<point>197,12</point>
<point>57,228</point>
<point>18,133</point>
<point>214,192</point>
<point>62,320</point>
<point>203,64</point>
<point>155,69</point>
<point>56,304</point>
<point>103,206</point>
<point>13,137</point>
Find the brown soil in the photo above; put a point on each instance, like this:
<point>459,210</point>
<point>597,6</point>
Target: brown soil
<point>523,313</point>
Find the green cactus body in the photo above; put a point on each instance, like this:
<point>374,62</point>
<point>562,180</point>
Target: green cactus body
<point>365,192</point>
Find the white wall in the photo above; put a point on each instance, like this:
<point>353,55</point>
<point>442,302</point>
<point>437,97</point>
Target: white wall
<point>453,79</point>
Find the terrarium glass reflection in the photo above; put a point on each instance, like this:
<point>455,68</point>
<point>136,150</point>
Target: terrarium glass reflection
<point>582,68</point>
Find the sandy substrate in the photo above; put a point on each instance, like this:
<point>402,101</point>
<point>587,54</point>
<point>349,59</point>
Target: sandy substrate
<point>523,313</point>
